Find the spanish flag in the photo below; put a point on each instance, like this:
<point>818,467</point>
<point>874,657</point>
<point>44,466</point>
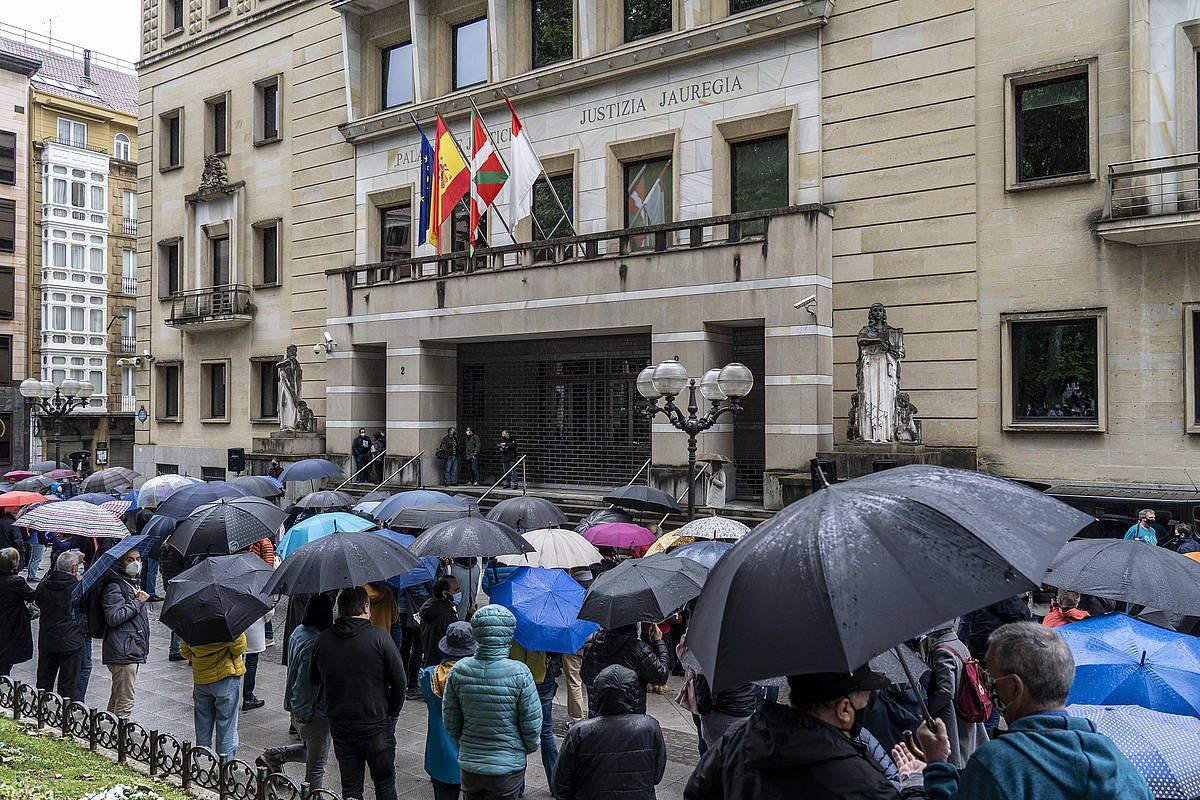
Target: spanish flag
<point>452,180</point>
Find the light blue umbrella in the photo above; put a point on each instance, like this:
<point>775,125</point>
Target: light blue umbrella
<point>417,497</point>
<point>1162,747</point>
<point>318,527</point>
<point>546,603</point>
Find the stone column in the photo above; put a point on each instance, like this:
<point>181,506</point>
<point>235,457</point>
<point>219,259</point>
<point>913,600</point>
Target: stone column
<point>422,401</point>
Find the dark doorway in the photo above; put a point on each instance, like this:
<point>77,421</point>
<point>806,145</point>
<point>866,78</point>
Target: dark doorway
<point>749,431</point>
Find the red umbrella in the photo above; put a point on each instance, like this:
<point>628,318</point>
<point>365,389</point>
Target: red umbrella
<point>21,499</point>
<point>59,474</point>
<point>19,475</point>
<point>619,534</point>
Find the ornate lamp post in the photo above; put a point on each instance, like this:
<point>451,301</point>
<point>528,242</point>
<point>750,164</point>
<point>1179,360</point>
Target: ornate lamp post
<point>722,387</point>
<point>57,402</point>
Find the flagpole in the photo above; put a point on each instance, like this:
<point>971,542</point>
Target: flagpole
<point>503,163</point>
<point>553,191</point>
<point>471,170</point>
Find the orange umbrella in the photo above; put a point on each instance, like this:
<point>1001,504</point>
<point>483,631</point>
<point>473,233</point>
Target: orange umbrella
<point>19,499</point>
<point>1193,556</point>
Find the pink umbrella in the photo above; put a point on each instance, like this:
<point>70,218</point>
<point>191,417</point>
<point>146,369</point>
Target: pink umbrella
<point>19,475</point>
<point>58,474</point>
<point>618,534</point>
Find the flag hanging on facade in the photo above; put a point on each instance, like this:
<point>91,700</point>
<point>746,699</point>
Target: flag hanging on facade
<point>425,187</point>
<point>452,179</point>
<point>526,168</point>
<point>487,173</point>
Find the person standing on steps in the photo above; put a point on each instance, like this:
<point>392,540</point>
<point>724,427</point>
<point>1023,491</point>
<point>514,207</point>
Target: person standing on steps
<point>360,448</point>
<point>448,452</point>
<point>508,458</point>
<point>471,448</point>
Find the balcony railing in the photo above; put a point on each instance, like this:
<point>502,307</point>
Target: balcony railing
<point>213,306</point>
<point>128,403</point>
<point>128,226</point>
<point>128,284</point>
<point>128,344</point>
<point>1153,186</point>
<point>75,143</point>
<point>730,229</point>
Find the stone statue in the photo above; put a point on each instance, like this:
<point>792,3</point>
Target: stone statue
<point>291,376</point>
<point>874,407</point>
<point>306,421</point>
<point>907,429</point>
<point>215,176</point>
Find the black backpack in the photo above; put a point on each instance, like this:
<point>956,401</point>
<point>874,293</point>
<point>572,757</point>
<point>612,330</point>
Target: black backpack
<point>97,625</point>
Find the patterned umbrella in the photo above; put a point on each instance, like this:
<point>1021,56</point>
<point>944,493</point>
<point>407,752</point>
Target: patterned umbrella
<point>38,483</point>
<point>95,498</point>
<point>157,489</point>
<point>73,518</point>
<point>226,526</point>
<point>326,501</point>
<point>118,507</point>
<point>113,479</point>
<point>703,529</point>
<point>11,500</point>
<point>1161,746</point>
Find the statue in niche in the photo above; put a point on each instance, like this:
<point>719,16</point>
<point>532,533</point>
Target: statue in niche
<point>876,411</point>
<point>291,376</point>
<point>215,176</point>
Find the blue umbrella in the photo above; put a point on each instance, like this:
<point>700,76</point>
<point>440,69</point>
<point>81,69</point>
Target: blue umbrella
<point>310,469</point>
<point>426,573</point>
<point>706,553</point>
<point>546,603</point>
<point>132,497</point>
<point>1123,661</point>
<point>319,526</point>
<point>102,565</point>
<point>182,503</point>
<point>95,498</point>
<point>416,497</point>
<point>1161,746</point>
<point>156,531</point>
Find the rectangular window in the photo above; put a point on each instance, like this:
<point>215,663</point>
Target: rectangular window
<point>758,178</point>
<point>97,198</point>
<point>553,31</point>
<point>268,109</point>
<point>72,133</point>
<point>219,260</point>
<point>1053,368</point>
<point>268,389</point>
<point>267,234</point>
<point>171,146</point>
<point>8,290</point>
<point>470,53</point>
<point>210,474</point>
<point>218,125</point>
<point>548,215</point>
<point>397,75</point>
<point>6,453</point>
<point>215,387</point>
<point>8,226</point>
<point>166,469</point>
<point>129,323</point>
<point>395,229</point>
<point>177,15</point>
<point>8,157</point>
<point>129,207</point>
<point>1052,128</point>
<point>738,6</point>
<point>648,197</point>
<point>646,18</point>
<point>58,191</point>
<point>78,194</point>
<point>168,382</point>
<point>96,321</point>
<point>128,382</point>
<point>169,262</point>
<point>58,254</point>
<point>77,319</point>
<point>6,374</point>
<point>58,318</point>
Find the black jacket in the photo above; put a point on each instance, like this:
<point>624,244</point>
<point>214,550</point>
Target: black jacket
<point>60,630</point>
<point>127,631</point>
<point>648,661</point>
<point>782,753</point>
<point>736,702</point>
<point>16,637</point>
<point>437,614</point>
<point>1189,545</point>
<point>362,682</point>
<point>10,536</point>
<point>989,618</point>
<point>618,754</point>
<point>360,448</point>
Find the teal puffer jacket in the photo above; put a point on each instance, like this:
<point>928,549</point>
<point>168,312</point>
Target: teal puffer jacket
<point>491,706</point>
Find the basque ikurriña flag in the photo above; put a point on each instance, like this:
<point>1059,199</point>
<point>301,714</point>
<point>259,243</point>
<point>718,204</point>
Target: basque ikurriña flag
<point>487,173</point>
<point>425,187</point>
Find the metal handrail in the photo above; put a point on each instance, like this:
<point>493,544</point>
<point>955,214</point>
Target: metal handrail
<point>611,506</point>
<point>75,144</point>
<point>381,454</point>
<point>683,494</point>
<point>524,482</point>
<point>210,302</point>
<point>1152,186</point>
<point>398,471</point>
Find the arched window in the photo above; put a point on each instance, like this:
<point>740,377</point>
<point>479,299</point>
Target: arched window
<point>121,147</point>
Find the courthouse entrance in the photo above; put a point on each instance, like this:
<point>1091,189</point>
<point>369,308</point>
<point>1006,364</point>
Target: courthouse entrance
<point>571,403</point>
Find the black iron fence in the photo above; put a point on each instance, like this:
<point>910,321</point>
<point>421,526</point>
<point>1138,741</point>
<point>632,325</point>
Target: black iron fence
<point>165,756</point>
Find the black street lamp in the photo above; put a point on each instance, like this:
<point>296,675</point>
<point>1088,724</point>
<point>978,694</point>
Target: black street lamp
<point>728,385</point>
<point>56,402</point>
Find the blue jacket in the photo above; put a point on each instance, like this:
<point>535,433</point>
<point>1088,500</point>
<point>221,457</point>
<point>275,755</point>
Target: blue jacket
<point>491,706</point>
<point>441,752</point>
<point>303,698</point>
<point>1047,756</point>
<point>495,573</point>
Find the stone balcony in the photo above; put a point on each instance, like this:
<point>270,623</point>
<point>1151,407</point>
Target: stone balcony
<point>211,308</point>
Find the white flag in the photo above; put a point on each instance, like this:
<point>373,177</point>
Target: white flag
<point>524,169</point>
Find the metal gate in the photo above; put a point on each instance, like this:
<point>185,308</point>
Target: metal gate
<point>749,431</point>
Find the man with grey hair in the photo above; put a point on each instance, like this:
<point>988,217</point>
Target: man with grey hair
<point>1045,754</point>
<point>61,637</point>
<point>1144,530</point>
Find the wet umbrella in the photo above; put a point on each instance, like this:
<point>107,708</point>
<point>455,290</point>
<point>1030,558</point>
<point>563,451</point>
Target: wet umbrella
<point>364,508</point>
<point>555,548</point>
<point>426,573</point>
<point>72,518</point>
<point>60,474</point>
<point>183,502</point>
<point>14,500</point>
<point>1162,747</point>
<point>889,663</point>
<point>327,500</point>
<point>467,501</point>
<point>1123,661</point>
<point>415,497</point>
<point>310,469</point>
<point>527,513</point>
<point>38,483</point>
<point>377,496</point>
<point>642,590</point>
<point>546,603</point>
<point>118,507</point>
<point>638,497</point>
<point>707,554</point>
<point>424,517</point>
<point>226,526</point>
<point>860,566</point>
<point>113,479</point>
<point>218,599</point>
<point>103,563</point>
<point>19,475</point>
<point>159,488</point>
<point>602,515</point>
<point>95,498</point>
<point>470,537</point>
<point>262,486</point>
<point>156,531</point>
<point>320,526</point>
<point>618,534</point>
<point>41,467</point>
<point>713,528</point>
<point>1128,571</point>
<point>341,560</point>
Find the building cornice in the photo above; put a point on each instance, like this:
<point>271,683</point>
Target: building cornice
<point>716,37</point>
<point>19,64</point>
<point>241,25</point>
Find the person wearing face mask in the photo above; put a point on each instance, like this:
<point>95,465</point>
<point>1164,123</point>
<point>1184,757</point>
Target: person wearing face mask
<point>127,631</point>
<point>1045,754</point>
<point>437,614</point>
<point>802,751</point>
<point>61,637</point>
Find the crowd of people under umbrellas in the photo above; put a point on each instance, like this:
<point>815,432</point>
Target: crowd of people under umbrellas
<point>904,623</point>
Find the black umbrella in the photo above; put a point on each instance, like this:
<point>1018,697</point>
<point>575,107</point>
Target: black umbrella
<point>257,486</point>
<point>642,590</point>
<point>48,466</point>
<point>527,513</point>
<point>181,504</point>
<point>327,500</point>
<point>218,599</point>
<point>637,497</point>
<point>424,517</point>
<point>38,483</point>
<point>113,479</point>
<point>470,537</point>
<point>1129,571</point>
<point>226,526</point>
<point>377,496</point>
<point>601,516</point>
<point>856,568</point>
<point>889,663</point>
<point>341,560</point>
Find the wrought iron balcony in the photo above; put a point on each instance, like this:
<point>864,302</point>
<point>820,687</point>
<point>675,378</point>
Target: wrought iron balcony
<point>128,404</point>
<point>211,308</point>
<point>128,226</point>
<point>128,344</point>
<point>128,285</point>
<point>76,143</point>
<point>1153,201</point>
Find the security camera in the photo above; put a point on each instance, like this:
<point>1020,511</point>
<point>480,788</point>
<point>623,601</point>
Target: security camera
<point>328,338</point>
<point>809,304</point>
<point>146,353</point>
<point>327,344</point>
<point>317,349</point>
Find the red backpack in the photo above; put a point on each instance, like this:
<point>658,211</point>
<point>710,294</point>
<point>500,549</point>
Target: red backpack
<point>973,703</point>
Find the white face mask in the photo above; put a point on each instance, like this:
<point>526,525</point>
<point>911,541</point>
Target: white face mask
<point>133,569</point>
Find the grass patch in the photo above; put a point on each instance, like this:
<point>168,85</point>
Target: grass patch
<point>44,767</point>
